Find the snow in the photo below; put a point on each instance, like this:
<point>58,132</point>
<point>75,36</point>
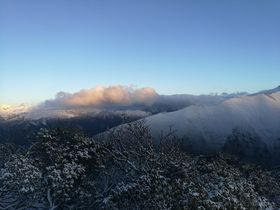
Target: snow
<point>257,113</point>
<point>10,111</point>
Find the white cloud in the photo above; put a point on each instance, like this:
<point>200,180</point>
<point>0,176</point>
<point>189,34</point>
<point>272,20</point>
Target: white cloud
<point>103,97</point>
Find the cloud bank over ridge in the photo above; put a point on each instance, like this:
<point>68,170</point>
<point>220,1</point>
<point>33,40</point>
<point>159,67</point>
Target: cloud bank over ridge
<point>110,98</point>
<point>100,97</point>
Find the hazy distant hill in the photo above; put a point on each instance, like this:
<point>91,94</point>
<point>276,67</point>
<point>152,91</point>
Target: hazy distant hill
<point>22,131</point>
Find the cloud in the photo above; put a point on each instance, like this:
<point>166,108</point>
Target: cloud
<point>101,97</point>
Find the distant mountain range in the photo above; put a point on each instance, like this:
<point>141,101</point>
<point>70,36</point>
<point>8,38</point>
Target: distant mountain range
<point>19,123</point>
<point>163,103</point>
<point>10,111</point>
<point>247,125</point>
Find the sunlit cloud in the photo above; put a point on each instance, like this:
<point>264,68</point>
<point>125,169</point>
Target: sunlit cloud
<point>101,96</point>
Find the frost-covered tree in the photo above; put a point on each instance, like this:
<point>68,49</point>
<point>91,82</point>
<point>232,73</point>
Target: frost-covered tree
<point>7,151</point>
<point>147,173</point>
<point>20,183</point>
<point>164,177</point>
<point>66,160</point>
<point>129,169</point>
<point>58,169</point>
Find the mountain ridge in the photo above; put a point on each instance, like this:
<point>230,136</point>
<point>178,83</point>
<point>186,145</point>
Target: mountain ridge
<point>207,128</point>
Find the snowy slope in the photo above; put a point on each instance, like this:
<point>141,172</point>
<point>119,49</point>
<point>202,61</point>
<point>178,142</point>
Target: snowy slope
<point>210,126</point>
<point>270,91</point>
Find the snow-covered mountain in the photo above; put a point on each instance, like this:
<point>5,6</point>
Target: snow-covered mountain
<point>270,91</point>
<point>11,111</point>
<point>204,128</point>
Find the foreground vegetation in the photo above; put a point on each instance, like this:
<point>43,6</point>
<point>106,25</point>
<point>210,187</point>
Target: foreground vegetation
<point>125,170</point>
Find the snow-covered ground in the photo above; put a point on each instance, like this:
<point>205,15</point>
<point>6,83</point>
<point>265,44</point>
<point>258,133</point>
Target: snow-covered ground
<point>258,114</point>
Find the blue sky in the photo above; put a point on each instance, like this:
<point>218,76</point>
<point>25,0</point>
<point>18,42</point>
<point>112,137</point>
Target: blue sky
<point>187,46</point>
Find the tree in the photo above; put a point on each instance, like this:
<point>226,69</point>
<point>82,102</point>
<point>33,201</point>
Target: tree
<point>21,183</point>
<point>65,159</point>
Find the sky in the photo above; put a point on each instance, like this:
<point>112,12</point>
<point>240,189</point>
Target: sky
<point>174,46</point>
